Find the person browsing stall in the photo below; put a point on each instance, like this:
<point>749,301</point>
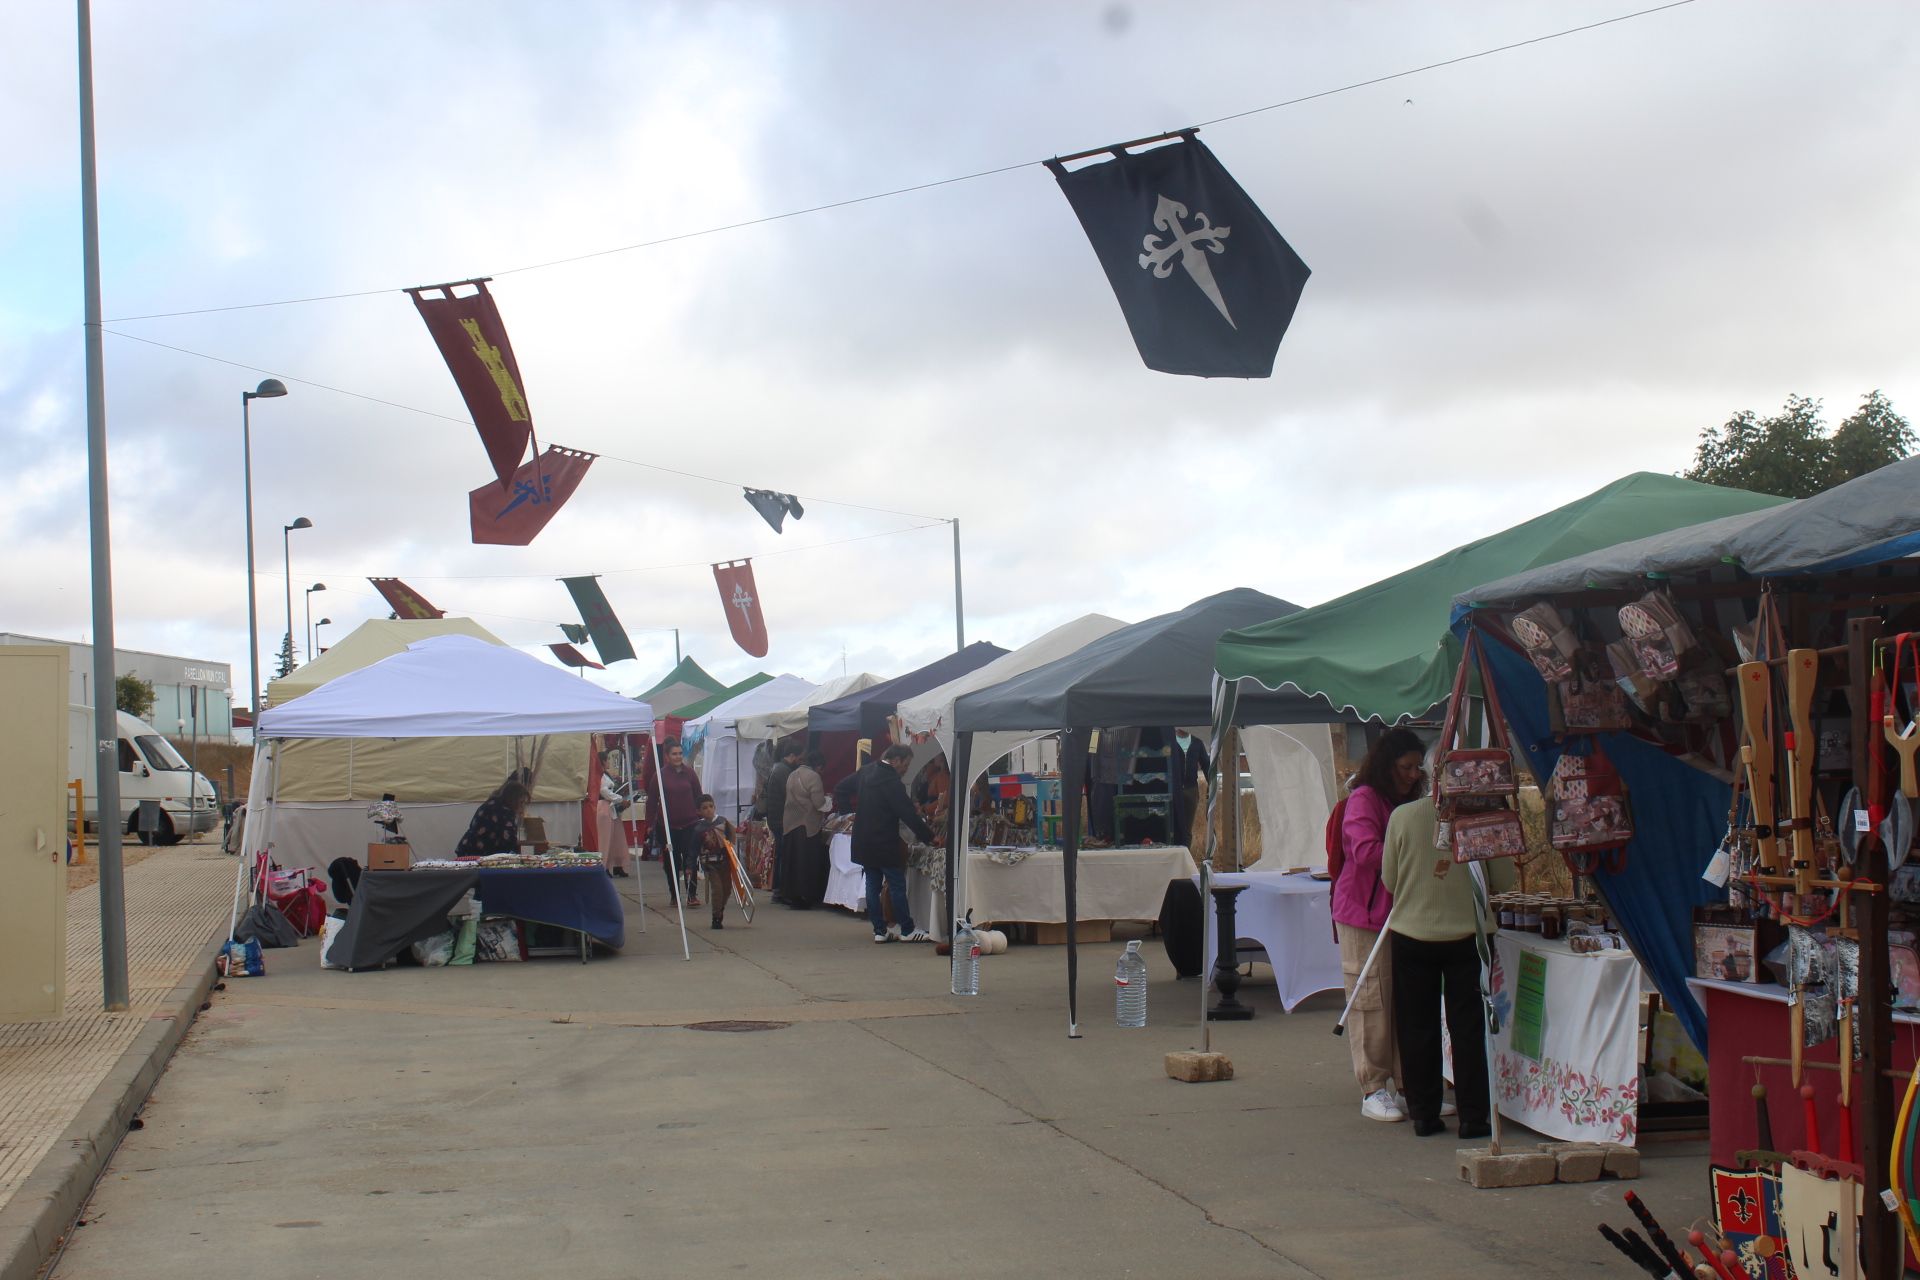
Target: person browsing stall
<point>803,861</point>
<point>1436,964</point>
<point>883,807</point>
<point>1390,776</point>
<point>495,826</point>
<point>678,786</point>
<point>773,807</point>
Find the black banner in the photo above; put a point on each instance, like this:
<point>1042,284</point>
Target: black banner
<point>609,637</point>
<point>1207,285</point>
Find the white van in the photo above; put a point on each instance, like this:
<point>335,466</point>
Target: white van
<point>150,769</point>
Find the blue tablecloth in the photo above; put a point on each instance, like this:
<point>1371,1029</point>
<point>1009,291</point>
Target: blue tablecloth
<point>582,899</point>
<point>393,909</point>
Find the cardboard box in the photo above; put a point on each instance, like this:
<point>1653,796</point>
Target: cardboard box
<point>389,857</point>
<point>1084,931</point>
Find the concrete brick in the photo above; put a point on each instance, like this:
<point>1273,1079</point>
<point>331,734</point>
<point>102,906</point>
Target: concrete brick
<point>1580,1164</point>
<point>1521,1168</point>
<point>1622,1162</point>
<point>1199,1068</point>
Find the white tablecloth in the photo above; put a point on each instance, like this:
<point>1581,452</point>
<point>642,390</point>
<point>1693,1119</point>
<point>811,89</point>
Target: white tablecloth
<point>1581,1081</point>
<point>847,886</point>
<point>1115,884</point>
<point>1292,917</point>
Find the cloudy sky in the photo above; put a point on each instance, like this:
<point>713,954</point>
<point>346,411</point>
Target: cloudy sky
<point>1532,273</point>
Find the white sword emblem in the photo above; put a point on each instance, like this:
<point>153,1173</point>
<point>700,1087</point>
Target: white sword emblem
<point>743,602</point>
<point>1189,247</point>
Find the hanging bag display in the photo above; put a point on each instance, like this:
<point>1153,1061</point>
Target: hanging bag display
<point>1589,700</point>
<point>1546,639</point>
<point>1660,637</point>
<point>1472,784</point>
<point>1587,811</point>
<point>1473,773</point>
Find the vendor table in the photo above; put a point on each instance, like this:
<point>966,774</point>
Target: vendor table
<point>1567,1059</point>
<point>1749,1019</point>
<point>1291,918</point>
<point>1126,883</point>
<point>392,910</point>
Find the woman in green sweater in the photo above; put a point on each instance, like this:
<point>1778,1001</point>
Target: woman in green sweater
<point>1436,963</point>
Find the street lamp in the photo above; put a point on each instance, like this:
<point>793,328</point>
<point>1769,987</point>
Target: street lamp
<point>286,557</point>
<point>267,390</point>
<point>318,586</point>
<point>324,622</point>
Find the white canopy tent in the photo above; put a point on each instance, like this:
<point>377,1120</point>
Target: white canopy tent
<point>450,686</point>
<point>793,718</point>
<point>714,748</point>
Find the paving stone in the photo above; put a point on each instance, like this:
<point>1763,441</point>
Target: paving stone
<point>1199,1068</point>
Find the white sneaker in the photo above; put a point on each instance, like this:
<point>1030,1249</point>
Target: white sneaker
<point>918,935</point>
<point>881,937</point>
<point>893,933</point>
<point>1381,1105</point>
<point>1446,1108</point>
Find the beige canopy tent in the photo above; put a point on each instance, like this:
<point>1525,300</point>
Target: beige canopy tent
<point>325,784</point>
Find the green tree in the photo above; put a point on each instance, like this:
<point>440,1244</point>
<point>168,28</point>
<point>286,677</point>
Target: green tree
<point>286,658</point>
<point>1791,453</point>
<point>133,695</point>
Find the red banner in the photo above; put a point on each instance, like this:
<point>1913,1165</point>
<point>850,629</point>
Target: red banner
<point>573,657</point>
<point>404,600</point>
<point>473,341</point>
<point>742,603</point>
<point>539,489</point>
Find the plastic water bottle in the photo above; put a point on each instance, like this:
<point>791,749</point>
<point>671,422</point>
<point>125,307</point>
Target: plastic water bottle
<point>966,959</point>
<point>1130,988</point>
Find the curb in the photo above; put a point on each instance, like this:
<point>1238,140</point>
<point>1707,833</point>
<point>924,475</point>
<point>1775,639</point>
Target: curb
<point>34,1221</point>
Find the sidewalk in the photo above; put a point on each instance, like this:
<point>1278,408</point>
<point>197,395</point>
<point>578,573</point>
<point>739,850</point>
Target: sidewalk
<point>553,1118</point>
<point>68,1086</point>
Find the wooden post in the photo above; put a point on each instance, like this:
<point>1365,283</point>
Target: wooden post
<point>1873,1014</point>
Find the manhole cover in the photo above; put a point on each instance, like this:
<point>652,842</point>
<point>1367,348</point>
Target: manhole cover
<point>736,1025</point>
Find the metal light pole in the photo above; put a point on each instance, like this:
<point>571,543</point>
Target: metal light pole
<point>286,560</point>
<point>318,586</point>
<point>959,609</point>
<point>267,390</point>
<point>324,622</point>
<point>106,730</point>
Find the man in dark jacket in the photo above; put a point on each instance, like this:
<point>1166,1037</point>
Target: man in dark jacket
<point>882,807</point>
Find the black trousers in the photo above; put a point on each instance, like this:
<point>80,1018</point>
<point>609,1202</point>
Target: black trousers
<point>685,861</point>
<point>1426,976</point>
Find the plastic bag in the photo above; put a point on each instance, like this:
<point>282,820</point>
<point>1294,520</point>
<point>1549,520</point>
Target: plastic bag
<point>498,940</point>
<point>435,951</point>
<point>241,960</point>
<point>329,930</point>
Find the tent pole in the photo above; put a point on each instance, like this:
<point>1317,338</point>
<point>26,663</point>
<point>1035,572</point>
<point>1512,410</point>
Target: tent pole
<point>957,824</point>
<point>959,607</point>
<point>626,767</point>
<point>1073,776</point>
<point>666,839</point>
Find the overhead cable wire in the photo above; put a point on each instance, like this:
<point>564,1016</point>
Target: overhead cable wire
<point>468,422</point>
<point>921,186</point>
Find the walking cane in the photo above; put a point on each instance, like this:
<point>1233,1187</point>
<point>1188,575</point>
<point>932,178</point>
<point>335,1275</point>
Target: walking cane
<point>1340,1027</point>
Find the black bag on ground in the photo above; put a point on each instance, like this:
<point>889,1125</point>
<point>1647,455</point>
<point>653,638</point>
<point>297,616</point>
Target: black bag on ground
<point>265,924</point>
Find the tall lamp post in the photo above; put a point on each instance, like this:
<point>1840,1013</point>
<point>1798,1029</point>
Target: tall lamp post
<point>324,622</point>
<point>286,559</point>
<point>318,586</point>
<point>267,390</point>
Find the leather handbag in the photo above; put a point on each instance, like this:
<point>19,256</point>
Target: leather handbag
<point>1489,833</point>
<point>1587,808</point>
<point>1473,773</point>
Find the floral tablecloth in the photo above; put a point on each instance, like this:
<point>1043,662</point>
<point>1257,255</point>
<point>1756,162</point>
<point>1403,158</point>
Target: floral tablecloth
<point>1566,1061</point>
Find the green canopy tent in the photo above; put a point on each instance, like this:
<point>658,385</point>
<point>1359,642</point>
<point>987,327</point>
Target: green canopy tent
<point>1384,652</point>
<point>688,682</point>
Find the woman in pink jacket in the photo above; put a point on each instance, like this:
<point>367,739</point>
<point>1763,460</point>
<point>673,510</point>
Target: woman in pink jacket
<point>1390,776</point>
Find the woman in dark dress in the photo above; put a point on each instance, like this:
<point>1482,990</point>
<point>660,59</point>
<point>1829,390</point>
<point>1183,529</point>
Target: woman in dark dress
<point>496,823</point>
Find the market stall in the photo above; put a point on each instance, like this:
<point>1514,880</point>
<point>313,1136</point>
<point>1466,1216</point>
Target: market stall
<point>721,756</point>
<point>835,728</point>
<point>1737,693</point>
<point>392,910</point>
<point>1153,673</point>
<point>455,687</point>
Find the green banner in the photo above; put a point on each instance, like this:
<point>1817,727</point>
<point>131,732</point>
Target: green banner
<point>1530,1005</point>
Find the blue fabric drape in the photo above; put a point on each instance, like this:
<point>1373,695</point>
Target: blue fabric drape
<point>1679,816</point>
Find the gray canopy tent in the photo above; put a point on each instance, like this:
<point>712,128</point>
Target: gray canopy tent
<point>1157,672</point>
